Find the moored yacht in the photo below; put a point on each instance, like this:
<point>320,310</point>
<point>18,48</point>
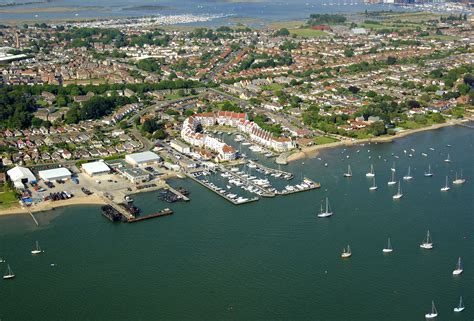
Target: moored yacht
<point>429,173</point>
<point>445,188</point>
<point>399,193</point>
<point>460,307</point>
<point>434,313</point>
<point>447,160</point>
<point>8,274</point>
<point>373,187</point>
<point>408,176</point>
<point>37,250</point>
<point>459,268</point>
<point>327,212</point>
<point>427,242</point>
<point>392,181</point>
<point>460,180</point>
<point>349,172</point>
<point>371,173</point>
<point>346,253</point>
<point>389,248</point>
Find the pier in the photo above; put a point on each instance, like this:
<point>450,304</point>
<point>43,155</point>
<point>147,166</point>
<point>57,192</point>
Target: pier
<point>233,201</point>
<point>288,176</point>
<point>178,194</point>
<point>32,216</point>
<point>164,212</point>
<point>311,185</point>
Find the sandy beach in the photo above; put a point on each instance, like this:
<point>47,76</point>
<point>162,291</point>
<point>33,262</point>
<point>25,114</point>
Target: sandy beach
<point>49,205</point>
<point>312,151</point>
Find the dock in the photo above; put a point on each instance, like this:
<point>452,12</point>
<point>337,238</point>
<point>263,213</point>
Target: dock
<point>161,213</point>
<point>178,194</point>
<point>288,176</point>
<point>312,185</point>
<point>235,202</point>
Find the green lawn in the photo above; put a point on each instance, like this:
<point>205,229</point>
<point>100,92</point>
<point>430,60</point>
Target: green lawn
<point>321,140</point>
<point>7,198</point>
<point>308,33</point>
<point>272,87</point>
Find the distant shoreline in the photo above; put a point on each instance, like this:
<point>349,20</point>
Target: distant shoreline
<point>312,151</point>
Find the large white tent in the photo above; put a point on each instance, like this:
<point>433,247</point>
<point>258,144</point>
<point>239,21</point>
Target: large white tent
<point>20,175</point>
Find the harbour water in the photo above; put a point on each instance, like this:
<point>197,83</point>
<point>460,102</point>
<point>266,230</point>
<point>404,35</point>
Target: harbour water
<point>268,260</point>
<point>263,10</point>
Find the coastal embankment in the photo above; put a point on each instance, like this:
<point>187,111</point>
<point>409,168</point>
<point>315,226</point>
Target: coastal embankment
<point>51,205</point>
<point>313,151</point>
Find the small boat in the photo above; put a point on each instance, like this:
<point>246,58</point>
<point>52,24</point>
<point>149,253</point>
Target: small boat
<point>445,188</point>
<point>389,248</point>
<point>393,167</point>
<point>8,274</point>
<point>424,154</point>
<point>408,176</point>
<point>349,172</point>
<point>427,242</point>
<point>371,173</point>
<point>459,268</point>
<point>327,212</point>
<point>373,187</point>
<point>460,307</point>
<point>346,253</point>
<point>433,314</point>
<point>325,164</point>
<point>447,160</point>
<point>392,181</point>
<point>429,173</point>
<point>37,250</point>
<point>399,193</point>
<point>459,181</point>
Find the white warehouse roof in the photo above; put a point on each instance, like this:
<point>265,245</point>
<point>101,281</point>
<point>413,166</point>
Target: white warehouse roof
<point>95,168</point>
<point>139,158</point>
<point>17,174</point>
<point>55,174</point>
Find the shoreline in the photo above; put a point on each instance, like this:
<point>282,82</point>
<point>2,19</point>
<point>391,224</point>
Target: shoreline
<point>312,151</point>
<point>50,205</point>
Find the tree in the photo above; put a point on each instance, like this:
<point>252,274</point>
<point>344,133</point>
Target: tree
<point>377,128</point>
<point>348,52</point>
<point>149,126</point>
<point>391,60</point>
<point>282,32</point>
<point>354,89</point>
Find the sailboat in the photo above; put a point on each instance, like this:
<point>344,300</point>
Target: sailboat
<point>459,268</point>
<point>427,242</point>
<point>349,172</point>
<point>327,212</point>
<point>399,193</point>
<point>2,260</point>
<point>460,307</point>
<point>393,167</point>
<point>408,176</point>
<point>447,160</point>
<point>389,248</point>
<point>9,274</point>
<point>429,173</point>
<point>433,313</point>
<point>446,187</point>
<point>37,250</point>
<point>373,187</point>
<point>459,181</point>
<point>392,181</point>
<point>346,252</point>
<point>371,173</point>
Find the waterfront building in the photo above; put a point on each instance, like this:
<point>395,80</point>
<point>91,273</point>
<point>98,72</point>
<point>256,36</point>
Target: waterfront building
<point>20,176</point>
<point>134,175</point>
<point>55,174</point>
<point>142,159</point>
<point>95,168</point>
<point>180,146</point>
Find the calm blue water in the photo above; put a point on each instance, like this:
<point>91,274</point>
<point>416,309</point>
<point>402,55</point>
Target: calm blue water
<point>265,10</point>
<point>269,260</point>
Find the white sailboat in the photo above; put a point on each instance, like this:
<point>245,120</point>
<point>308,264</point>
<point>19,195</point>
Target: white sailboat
<point>447,160</point>
<point>327,212</point>
<point>8,274</point>
<point>460,307</point>
<point>445,188</point>
<point>408,176</point>
<point>427,242</point>
<point>434,313</point>
<point>373,187</point>
<point>37,250</point>
<point>389,248</point>
<point>346,252</point>
<point>399,193</point>
<point>349,172</point>
<point>371,173</point>
<point>393,167</point>
<point>429,173</point>
<point>460,180</point>
<point>392,181</point>
<point>459,268</point>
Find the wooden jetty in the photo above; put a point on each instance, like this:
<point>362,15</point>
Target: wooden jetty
<point>161,213</point>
